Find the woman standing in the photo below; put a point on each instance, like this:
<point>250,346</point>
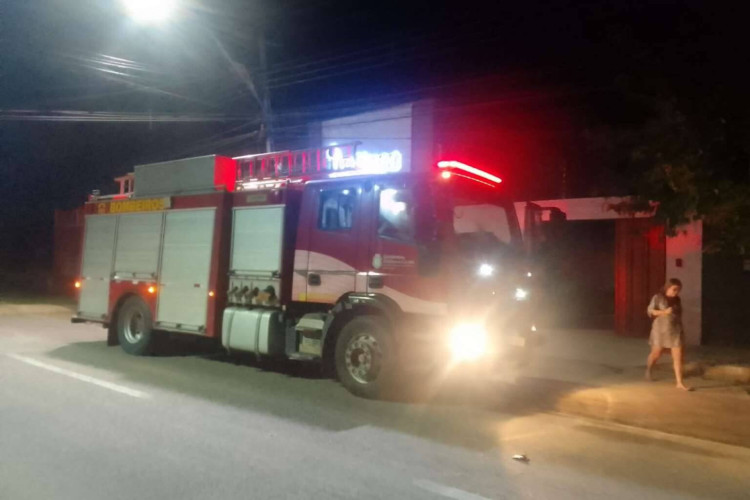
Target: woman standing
<point>666,331</point>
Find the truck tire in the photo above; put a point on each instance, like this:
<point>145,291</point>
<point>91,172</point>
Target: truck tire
<point>135,327</point>
<point>365,356</point>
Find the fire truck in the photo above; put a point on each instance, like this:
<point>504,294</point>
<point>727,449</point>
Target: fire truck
<point>306,255</point>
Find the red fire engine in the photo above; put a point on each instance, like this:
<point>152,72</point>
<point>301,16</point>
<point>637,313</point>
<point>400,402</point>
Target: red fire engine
<point>299,254</point>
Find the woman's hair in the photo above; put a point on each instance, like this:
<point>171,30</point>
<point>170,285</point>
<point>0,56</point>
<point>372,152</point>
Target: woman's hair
<point>670,282</point>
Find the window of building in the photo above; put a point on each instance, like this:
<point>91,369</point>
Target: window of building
<point>336,209</point>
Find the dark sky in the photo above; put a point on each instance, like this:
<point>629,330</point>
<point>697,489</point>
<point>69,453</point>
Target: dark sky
<point>85,93</point>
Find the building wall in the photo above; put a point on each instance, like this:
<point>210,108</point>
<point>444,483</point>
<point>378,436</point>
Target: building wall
<point>381,131</point>
<point>726,288</point>
<point>685,262</point>
<point>686,246</point>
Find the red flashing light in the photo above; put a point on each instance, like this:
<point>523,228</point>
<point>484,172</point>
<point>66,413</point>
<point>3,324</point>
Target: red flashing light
<point>469,169</point>
<point>445,175</point>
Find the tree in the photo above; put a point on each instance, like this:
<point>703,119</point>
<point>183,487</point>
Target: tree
<point>684,167</point>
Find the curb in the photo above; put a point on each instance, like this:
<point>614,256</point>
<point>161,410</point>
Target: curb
<point>720,419</point>
<point>736,373</point>
<point>728,373</point>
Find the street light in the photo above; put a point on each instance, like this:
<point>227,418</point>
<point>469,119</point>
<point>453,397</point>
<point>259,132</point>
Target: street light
<point>159,11</point>
<point>150,11</point>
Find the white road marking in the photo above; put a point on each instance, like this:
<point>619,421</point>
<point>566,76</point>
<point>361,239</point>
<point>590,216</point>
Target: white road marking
<point>447,491</point>
<point>79,376</point>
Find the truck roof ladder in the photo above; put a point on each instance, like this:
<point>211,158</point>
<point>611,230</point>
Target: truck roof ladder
<point>275,169</point>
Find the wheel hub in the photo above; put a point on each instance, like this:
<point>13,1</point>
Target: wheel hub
<point>363,356</point>
<point>134,328</point>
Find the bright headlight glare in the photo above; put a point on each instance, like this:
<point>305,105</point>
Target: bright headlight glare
<point>468,341</point>
<point>485,270</point>
<point>150,11</point>
<point>521,294</point>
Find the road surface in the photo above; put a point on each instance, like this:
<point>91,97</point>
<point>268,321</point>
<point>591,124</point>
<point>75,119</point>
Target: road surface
<point>80,420</point>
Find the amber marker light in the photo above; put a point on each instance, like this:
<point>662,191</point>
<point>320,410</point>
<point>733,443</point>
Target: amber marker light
<point>211,293</point>
<point>151,289</point>
<point>77,284</point>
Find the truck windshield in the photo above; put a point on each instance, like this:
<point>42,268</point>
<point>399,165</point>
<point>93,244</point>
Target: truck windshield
<point>482,221</point>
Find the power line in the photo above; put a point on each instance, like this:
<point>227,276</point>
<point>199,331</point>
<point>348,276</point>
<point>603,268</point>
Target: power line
<point>378,60</point>
<point>113,117</point>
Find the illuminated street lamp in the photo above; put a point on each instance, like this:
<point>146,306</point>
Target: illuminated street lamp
<point>150,11</point>
<point>160,11</point>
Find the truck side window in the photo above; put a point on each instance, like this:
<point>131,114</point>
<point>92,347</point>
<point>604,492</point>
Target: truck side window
<point>336,209</point>
<point>396,219</point>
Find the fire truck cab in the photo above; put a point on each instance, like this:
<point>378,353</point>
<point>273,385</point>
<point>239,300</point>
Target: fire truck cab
<point>373,274</point>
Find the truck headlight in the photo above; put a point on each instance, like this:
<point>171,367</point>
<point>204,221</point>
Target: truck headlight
<point>485,270</point>
<point>521,294</point>
<point>468,341</point>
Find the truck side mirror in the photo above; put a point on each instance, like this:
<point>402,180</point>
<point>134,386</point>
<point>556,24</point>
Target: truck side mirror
<point>541,225</point>
<point>557,217</point>
<point>557,220</point>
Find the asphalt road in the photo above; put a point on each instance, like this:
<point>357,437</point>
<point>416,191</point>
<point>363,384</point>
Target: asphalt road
<point>80,420</point>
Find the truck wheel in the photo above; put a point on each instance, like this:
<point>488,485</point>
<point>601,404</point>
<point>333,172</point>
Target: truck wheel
<point>134,327</point>
<point>365,356</point>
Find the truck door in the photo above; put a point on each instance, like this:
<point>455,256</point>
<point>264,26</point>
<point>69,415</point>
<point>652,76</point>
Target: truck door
<point>96,270</point>
<point>336,247</point>
<point>403,264</point>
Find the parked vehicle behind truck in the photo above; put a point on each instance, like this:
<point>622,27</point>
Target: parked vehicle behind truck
<point>299,255</point>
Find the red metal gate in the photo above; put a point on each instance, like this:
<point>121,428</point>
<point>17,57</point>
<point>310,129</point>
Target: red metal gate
<point>640,270</point>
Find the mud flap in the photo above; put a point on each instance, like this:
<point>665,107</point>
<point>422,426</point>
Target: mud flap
<point>112,335</point>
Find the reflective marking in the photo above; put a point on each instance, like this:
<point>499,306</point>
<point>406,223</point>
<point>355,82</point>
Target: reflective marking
<point>79,376</point>
<point>447,491</point>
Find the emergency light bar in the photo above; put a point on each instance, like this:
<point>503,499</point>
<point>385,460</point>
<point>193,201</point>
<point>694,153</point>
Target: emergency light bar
<point>468,168</point>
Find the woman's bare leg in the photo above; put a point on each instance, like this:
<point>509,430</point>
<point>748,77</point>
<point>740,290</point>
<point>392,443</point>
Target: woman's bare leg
<point>653,357</point>
<point>677,363</point>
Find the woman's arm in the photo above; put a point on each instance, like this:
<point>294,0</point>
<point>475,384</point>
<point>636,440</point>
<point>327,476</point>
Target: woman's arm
<point>652,310</point>
<point>661,312</point>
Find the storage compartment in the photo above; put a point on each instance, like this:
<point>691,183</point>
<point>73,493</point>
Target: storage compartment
<point>255,256</point>
<point>96,271</point>
<point>257,234</point>
<point>185,268</point>
<point>310,334</point>
<point>253,330</point>
<point>138,243</point>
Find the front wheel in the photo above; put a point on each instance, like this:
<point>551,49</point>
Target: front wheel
<point>365,356</point>
<point>134,327</point>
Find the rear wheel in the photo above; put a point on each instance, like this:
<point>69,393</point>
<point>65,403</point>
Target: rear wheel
<point>135,327</point>
<point>365,356</point>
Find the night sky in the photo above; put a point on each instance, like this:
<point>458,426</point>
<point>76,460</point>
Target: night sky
<point>85,93</point>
